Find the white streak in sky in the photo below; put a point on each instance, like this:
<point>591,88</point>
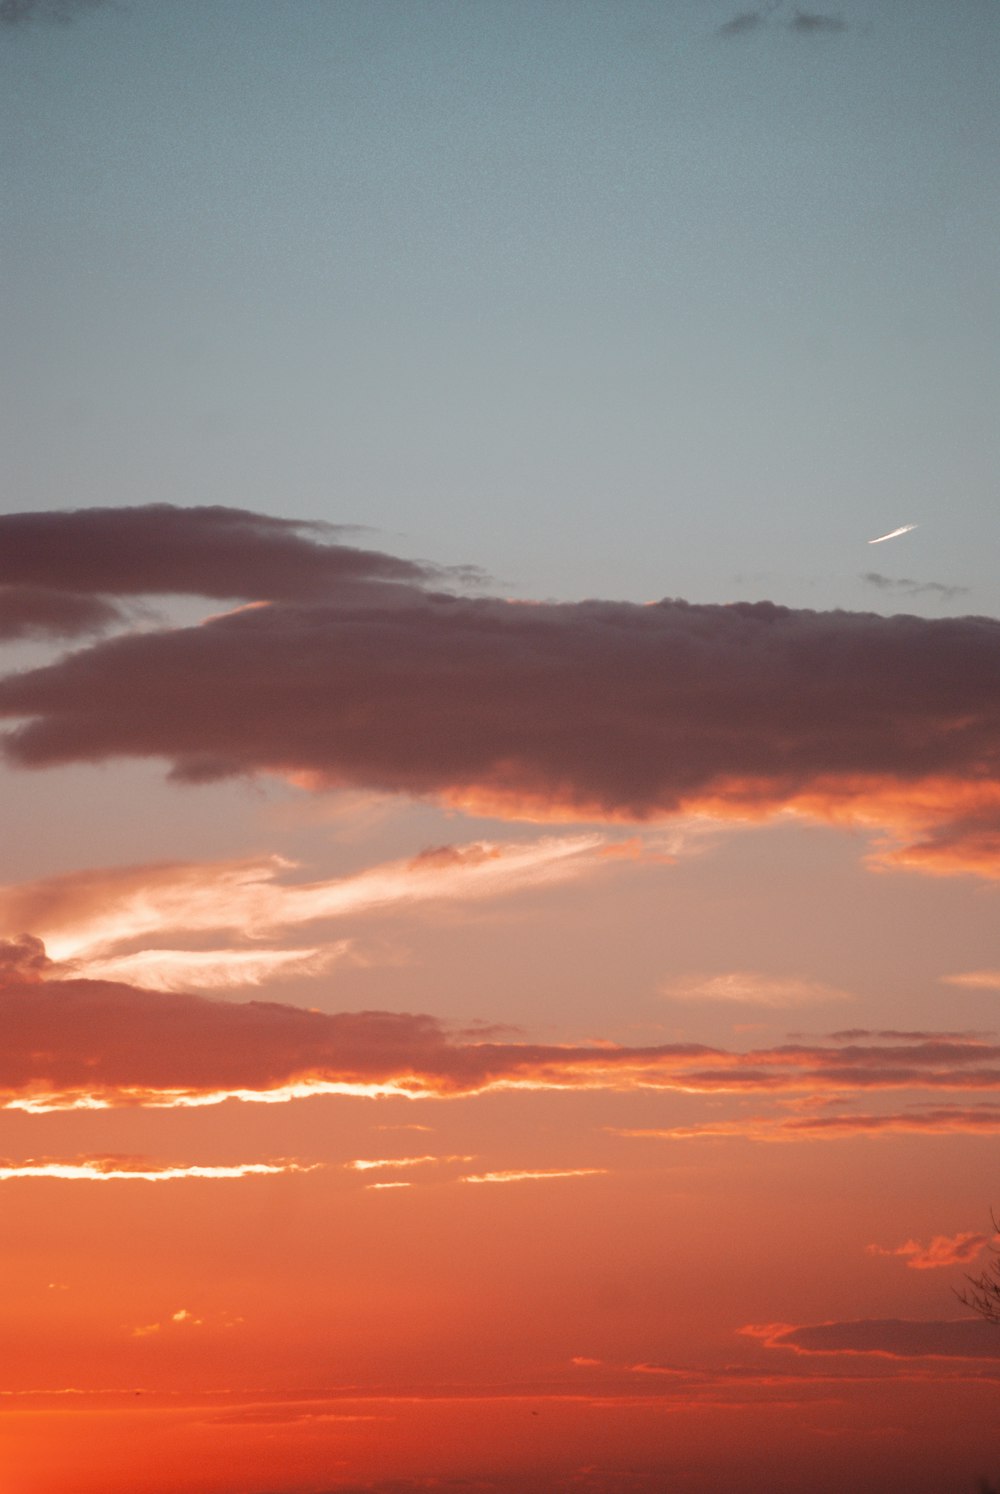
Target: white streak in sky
<point>893,534</point>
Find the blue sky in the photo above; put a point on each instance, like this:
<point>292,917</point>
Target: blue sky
<point>588,293</point>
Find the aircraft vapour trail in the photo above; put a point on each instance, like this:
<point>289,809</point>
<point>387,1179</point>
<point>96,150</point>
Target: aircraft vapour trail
<point>893,534</point>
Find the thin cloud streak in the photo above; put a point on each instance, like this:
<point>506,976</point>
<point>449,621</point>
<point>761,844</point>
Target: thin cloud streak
<point>215,969</point>
<point>889,1338</point>
<point>537,1175</point>
<point>975,980</point>
<point>917,1120</point>
<point>109,1169</point>
<point>903,528</point>
<point>748,987</point>
<point>85,916</point>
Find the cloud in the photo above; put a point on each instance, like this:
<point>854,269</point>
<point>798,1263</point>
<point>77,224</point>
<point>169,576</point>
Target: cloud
<point>943,1250</point>
<point>917,1120</point>
<point>370,1164</point>
<point>61,12</point>
<point>976,980</point>
<point>751,988</point>
<point>214,969</point>
<point>86,916</point>
<point>37,612</point>
<point>803,23</point>
<point>129,1169</point>
<point>574,711</point>
<point>812,23</point>
<point>213,551</point>
<point>913,588</point>
<point>533,1176</point>
<point>22,960</point>
<point>91,1044</point>
<point>892,1338</point>
<point>930,1120</point>
<point>747,20</point>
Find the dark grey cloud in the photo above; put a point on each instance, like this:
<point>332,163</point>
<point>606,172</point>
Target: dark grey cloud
<point>38,612</point>
<point>912,588</point>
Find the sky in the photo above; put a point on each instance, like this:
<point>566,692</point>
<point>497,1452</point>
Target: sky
<point>500,746</point>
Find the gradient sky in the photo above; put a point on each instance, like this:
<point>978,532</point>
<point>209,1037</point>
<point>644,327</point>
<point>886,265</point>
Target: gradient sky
<point>498,882</point>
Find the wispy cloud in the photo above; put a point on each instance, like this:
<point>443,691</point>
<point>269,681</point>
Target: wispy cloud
<point>533,1176</point>
<point>775,13</point>
<point>946,592</point>
<point>943,1250</point>
<point>814,23</point>
<point>130,1169</point>
<point>752,988</point>
<point>376,1164</point>
<point>916,1120</point>
<point>215,969</point>
<point>86,917</point>
<point>891,1338</point>
<point>976,980</point>
<point>740,25</point>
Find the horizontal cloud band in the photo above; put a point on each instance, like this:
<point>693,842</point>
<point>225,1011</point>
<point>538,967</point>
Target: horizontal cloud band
<point>93,1044</point>
<point>592,709</point>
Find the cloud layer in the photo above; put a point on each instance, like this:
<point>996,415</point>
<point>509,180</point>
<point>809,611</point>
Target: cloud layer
<point>58,569</point>
<point>95,1044</point>
<point>592,710</point>
<point>891,1338</point>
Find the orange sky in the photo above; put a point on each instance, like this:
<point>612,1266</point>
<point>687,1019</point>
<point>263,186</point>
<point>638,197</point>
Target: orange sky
<point>353,1141</point>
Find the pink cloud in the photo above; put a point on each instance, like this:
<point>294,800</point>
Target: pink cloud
<point>943,1250</point>
<point>90,915</point>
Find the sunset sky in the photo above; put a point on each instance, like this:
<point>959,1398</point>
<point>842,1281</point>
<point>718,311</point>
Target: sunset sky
<point>499,875</point>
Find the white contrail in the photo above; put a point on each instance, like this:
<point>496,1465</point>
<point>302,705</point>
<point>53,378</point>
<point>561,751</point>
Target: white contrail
<point>903,529</point>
